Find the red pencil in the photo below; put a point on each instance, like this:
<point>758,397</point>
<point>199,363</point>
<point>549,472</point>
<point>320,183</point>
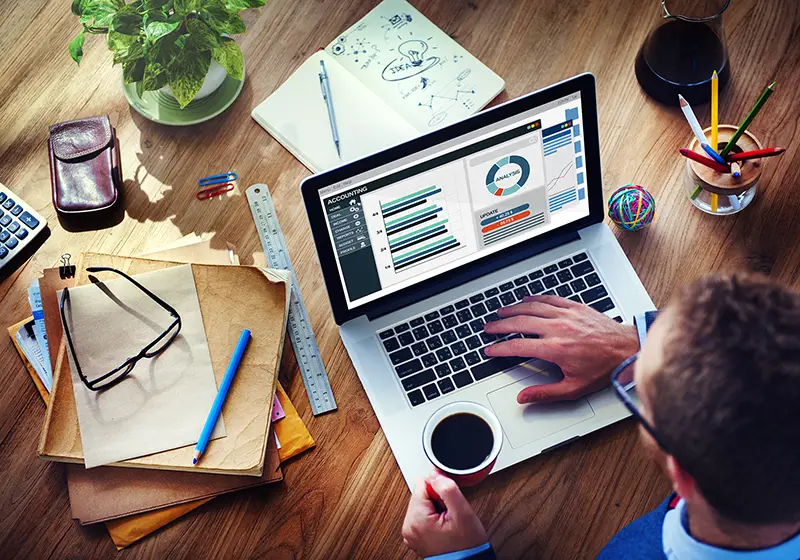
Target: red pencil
<point>766,152</point>
<point>708,162</point>
<point>438,503</point>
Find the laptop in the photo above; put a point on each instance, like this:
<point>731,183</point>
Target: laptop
<point>422,243</point>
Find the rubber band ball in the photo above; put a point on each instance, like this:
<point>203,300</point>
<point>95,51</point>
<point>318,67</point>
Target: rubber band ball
<point>631,207</point>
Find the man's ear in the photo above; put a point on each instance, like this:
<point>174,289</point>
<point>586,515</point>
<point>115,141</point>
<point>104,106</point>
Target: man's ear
<point>682,481</point>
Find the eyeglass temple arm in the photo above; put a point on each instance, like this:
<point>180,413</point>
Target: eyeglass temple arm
<point>155,298</point>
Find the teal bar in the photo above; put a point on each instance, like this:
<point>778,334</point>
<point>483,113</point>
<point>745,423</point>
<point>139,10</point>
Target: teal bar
<point>420,230</point>
<point>408,216</point>
<point>412,195</point>
<point>423,248</point>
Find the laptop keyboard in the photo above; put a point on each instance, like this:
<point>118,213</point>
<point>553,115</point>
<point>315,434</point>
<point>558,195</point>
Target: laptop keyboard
<point>441,351</point>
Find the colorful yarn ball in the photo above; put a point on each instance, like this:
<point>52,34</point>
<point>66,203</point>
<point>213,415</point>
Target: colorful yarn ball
<point>631,207</point>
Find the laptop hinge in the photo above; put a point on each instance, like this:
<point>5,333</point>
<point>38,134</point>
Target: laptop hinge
<point>457,278</point>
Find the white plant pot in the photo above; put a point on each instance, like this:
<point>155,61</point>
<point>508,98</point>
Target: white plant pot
<point>216,75</point>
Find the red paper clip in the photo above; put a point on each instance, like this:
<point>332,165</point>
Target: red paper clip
<point>216,190</point>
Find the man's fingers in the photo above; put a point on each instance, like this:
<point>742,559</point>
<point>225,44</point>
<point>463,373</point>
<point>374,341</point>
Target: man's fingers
<point>534,308</point>
<point>451,495</point>
<point>522,347</point>
<point>420,501</point>
<point>517,324</point>
<point>554,301</point>
<point>562,391</point>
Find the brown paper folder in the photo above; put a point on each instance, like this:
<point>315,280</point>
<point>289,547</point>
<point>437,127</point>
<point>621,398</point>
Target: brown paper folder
<point>231,298</point>
<point>111,492</point>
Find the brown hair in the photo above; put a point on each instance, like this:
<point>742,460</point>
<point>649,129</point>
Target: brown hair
<point>727,401</point>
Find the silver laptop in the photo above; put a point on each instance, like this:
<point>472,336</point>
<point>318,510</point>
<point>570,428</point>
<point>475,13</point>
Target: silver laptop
<point>422,243</point>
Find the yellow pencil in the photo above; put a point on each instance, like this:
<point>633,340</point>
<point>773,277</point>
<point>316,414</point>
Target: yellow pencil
<point>715,111</point>
<point>714,202</point>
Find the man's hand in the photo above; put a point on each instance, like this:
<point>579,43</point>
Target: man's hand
<point>584,343</point>
<point>428,532</point>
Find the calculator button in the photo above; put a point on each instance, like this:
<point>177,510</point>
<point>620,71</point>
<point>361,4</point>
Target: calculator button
<point>13,226</point>
<point>17,210</point>
<point>22,234</point>
<point>3,252</point>
<point>3,236</point>
<point>12,242</point>
<point>3,197</point>
<point>9,204</point>
<point>5,220</point>
<point>27,219</point>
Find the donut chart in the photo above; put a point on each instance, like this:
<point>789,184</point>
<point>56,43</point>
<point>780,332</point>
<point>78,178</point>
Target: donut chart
<point>511,180</point>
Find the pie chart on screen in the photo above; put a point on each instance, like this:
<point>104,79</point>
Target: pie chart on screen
<point>508,175</point>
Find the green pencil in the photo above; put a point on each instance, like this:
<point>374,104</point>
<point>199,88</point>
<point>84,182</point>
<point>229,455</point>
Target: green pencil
<point>748,120</point>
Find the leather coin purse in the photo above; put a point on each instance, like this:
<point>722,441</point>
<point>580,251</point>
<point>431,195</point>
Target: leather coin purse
<point>85,172</point>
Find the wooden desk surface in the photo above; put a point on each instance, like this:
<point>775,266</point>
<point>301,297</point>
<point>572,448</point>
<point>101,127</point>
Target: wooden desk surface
<point>347,498</point>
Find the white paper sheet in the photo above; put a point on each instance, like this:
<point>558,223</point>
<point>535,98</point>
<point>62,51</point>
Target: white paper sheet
<point>163,403</point>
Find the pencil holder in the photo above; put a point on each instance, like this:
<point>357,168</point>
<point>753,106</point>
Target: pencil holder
<point>718,193</point>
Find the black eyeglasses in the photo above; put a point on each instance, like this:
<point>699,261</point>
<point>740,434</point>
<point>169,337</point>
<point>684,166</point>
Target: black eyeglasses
<point>622,387</point>
<point>156,347</point>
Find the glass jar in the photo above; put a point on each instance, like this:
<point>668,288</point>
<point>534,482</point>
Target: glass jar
<point>683,50</point>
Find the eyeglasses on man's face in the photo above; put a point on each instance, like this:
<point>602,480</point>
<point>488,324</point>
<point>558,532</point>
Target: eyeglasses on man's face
<point>624,384</point>
<point>153,349</point>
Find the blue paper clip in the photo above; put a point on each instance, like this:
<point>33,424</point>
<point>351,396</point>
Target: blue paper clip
<point>217,179</point>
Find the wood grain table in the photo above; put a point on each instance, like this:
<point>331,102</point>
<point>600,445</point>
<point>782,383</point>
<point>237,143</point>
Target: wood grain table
<point>346,499</point>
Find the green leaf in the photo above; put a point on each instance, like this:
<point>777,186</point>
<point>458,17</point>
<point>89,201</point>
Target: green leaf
<point>201,36</point>
<point>155,77</point>
<point>157,29</point>
<point>76,7</point>
<point>117,41</point>
<point>76,46</point>
<point>239,5</point>
<point>101,11</point>
<point>221,20</point>
<point>186,74</point>
<point>127,20</point>
<point>133,71</point>
<point>229,56</point>
<point>130,53</point>
<point>184,7</point>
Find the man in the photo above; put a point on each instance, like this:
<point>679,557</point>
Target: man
<point>718,380</point>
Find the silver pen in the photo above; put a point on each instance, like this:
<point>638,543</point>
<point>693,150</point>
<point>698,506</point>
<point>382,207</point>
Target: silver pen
<point>326,95</point>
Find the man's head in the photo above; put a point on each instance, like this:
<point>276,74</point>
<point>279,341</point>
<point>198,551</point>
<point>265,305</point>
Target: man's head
<point>719,379</point>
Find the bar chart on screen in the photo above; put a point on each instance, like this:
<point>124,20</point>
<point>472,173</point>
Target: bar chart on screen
<point>416,226</point>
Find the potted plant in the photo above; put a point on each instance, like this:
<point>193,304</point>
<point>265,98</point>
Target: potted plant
<point>167,43</point>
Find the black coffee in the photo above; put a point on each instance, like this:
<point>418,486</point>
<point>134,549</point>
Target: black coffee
<point>462,441</point>
<point>679,58</point>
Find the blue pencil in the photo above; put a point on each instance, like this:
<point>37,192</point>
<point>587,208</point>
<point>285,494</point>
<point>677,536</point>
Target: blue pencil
<point>216,408</point>
<point>714,155</point>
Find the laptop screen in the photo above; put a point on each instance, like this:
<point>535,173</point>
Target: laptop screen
<point>459,201</point>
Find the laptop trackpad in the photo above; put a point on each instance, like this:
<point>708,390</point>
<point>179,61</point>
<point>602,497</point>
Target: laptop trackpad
<point>524,424</point>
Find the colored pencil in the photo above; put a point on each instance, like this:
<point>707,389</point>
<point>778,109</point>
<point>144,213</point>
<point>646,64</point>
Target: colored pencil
<point>692,119</point>
<point>714,155</point>
<point>736,169</point>
<point>715,111</point>
<point>216,408</point>
<point>748,119</point>
<point>708,162</point>
<point>737,205</point>
<point>438,503</point>
<point>696,192</point>
<point>755,154</point>
<point>714,202</point>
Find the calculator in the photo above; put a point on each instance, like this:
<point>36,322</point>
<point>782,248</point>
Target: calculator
<point>20,226</point>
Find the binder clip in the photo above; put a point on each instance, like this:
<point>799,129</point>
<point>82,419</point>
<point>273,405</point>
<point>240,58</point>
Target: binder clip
<point>217,179</point>
<point>215,190</point>
<point>66,270</point>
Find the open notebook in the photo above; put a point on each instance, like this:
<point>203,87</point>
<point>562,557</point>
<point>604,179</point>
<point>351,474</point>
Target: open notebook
<point>393,76</point>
